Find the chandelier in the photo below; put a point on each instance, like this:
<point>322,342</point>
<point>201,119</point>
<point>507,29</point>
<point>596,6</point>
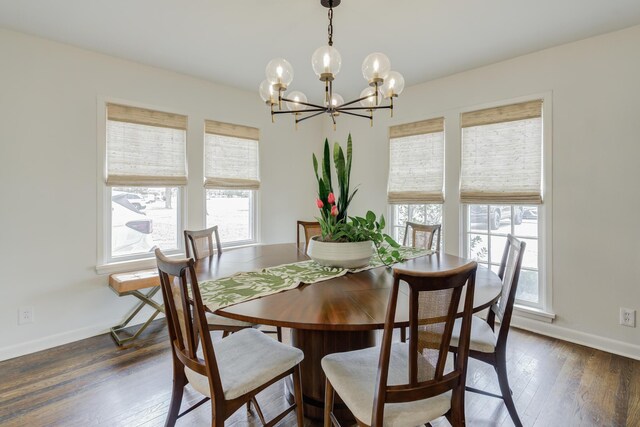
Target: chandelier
<point>384,84</point>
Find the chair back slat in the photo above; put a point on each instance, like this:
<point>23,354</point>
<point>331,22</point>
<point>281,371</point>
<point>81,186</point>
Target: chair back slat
<point>186,319</point>
<point>433,306</point>
<point>509,273</point>
<point>422,235</point>
<point>311,228</point>
<point>200,242</point>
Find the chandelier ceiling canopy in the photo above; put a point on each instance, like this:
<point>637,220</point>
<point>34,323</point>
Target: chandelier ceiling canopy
<point>383,84</point>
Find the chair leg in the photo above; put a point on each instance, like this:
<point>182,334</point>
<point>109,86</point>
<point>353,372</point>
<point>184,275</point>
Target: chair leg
<point>258,410</point>
<point>328,402</point>
<point>297,391</point>
<point>216,421</point>
<point>503,380</point>
<point>179,381</point>
<point>279,333</point>
<point>456,416</point>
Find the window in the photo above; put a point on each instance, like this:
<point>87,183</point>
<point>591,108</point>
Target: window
<point>487,228</point>
<point>416,174</point>
<point>233,211</point>
<point>143,218</point>
<point>501,188</point>
<point>424,214</point>
<point>146,167</point>
<point>231,181</point>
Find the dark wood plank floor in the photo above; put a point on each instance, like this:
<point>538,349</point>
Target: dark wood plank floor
<point>92,382</point>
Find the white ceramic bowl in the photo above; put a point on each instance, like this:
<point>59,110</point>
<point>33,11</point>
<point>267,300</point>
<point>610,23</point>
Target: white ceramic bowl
<point>342,254</point>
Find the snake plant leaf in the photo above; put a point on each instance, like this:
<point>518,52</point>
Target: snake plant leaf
<point>349,156</point>
<point>315,167</point>
<point>326,166</point>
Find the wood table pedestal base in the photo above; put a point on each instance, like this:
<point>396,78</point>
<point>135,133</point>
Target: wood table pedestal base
<point>316,345</point>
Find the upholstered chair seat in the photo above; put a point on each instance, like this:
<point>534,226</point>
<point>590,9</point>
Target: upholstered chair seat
<point>483,339</point>
<point>353,376</point>
<point>246,360</point>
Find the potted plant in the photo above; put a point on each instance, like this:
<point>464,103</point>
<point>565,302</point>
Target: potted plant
<point>346,242</point>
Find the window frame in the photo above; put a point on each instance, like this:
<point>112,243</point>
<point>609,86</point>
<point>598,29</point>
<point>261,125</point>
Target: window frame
<point>489,233</point>
<point>105,262</point>
<point>544,310</point>
<point>453,212</point>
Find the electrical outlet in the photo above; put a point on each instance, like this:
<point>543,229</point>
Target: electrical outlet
<point>25,315</point>
<point>627,317</point>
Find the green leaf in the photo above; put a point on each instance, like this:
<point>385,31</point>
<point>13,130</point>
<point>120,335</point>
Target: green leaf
<point>349,155</point>
<point>390,241</point>
<point>326,166</point>
<point>315,167</point>
<point>382,222</point>
<point>371,217</point>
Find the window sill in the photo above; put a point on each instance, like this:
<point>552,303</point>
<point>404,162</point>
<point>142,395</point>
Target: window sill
<point>148,263</point>
<point>534,313</point>
<point>131,265</point>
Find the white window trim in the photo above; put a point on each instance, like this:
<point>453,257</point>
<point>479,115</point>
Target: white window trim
<point>545,210</point>
<point>453,211</point>
<point>104,263</point>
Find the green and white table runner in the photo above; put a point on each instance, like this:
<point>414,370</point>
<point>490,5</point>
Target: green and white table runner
<point>240,287</point>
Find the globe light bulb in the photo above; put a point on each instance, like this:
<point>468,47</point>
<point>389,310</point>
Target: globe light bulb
<point>336,100</point>
<point>393,84</point>
<point>279,71</point>
<point>326,62</point>
<point>268,93</point>
<point>298,97</point>
<point>370,101</point>
<point>375,66</point>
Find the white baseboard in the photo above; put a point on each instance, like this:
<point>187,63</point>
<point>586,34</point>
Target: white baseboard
<point>594,341</point>
<point>52,341</point>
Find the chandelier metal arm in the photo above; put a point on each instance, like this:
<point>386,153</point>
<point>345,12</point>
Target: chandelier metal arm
<point>310,116</point>
<point>379,107</point>
<point>323,110</point>
<point>303,103</point>
<point>354,114</point>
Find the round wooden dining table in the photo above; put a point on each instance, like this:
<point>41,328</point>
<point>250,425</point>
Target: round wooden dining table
<point>340,314</point>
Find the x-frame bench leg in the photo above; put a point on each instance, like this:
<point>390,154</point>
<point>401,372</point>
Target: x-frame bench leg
<point>145,299</point>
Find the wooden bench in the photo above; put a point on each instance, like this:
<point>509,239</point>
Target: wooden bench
<point>124,284</point>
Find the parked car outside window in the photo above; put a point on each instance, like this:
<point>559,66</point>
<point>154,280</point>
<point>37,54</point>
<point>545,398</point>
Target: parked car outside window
<point>131,229</point>
<point>497,214</point>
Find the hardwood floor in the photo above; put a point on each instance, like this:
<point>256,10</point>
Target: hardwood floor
<point>92,382</point>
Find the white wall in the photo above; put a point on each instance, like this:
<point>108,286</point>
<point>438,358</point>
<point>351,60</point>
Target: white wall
<point>595,85</point>
<point>48,166</point>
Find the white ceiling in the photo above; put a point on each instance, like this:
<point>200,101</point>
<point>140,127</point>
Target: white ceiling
<point>230,42</point>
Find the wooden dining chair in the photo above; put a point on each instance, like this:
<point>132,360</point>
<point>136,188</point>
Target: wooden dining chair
<point>485,345</point>
<point>421,235</point>
<point>242,364</point>
<point>409,384</point>
<point>310,228</point>
<point>200,243</point>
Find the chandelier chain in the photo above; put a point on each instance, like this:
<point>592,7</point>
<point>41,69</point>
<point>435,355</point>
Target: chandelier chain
<point>330,27</point>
